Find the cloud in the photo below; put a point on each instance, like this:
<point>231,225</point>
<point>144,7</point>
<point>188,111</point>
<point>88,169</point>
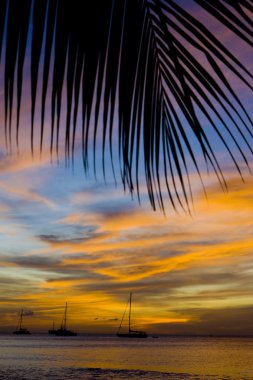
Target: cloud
<point>60,239</point>
<point>75,234</point>
<point>176,266</point>
<point>16,188</point>
<point>35,261</point>
<point>28,313</point>
<point>229,321</point>
<point>22,162</point>
<point>106,319</point>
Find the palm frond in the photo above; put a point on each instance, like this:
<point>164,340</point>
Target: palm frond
<point>133,67</point>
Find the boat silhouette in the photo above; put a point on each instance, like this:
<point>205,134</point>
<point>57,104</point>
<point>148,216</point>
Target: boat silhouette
<point>21,330</point>
<point>63,331</point>
<point>130,333</point>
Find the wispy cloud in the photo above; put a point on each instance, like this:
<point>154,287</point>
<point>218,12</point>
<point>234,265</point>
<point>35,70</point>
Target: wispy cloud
<point>184,270</point>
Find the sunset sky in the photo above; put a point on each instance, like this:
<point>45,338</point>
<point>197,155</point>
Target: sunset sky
<point>68,237</point>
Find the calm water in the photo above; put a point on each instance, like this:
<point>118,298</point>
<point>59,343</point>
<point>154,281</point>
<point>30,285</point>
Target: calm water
<point>82,358</point>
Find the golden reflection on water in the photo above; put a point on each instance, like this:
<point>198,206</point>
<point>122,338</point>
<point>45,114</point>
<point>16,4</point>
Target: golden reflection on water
<point>218,357</point>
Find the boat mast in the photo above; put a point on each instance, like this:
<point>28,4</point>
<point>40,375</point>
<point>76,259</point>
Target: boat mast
<point>129,317</point>
<point>65,317</point>
<point>20,320</point>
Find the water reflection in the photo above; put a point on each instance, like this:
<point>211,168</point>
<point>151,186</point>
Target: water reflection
<point>217,358</point>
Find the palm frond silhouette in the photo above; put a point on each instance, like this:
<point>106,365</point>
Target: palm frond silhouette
<point>132,65</point>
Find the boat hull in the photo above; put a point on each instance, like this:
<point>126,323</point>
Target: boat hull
<point>21,332</point>
<point>64,332</point>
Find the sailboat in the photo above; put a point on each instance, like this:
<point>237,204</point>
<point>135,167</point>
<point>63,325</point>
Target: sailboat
<point>21,330</point>
<point>52,331</point>
<point>131,333</point>
<point>63,331</point>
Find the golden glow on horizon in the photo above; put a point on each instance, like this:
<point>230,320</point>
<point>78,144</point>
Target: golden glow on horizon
<point>180,268</point>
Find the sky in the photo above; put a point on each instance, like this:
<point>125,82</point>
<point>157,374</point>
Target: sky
<point>66,237</point>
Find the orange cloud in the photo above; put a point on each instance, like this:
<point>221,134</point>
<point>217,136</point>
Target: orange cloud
<point>181,260</point>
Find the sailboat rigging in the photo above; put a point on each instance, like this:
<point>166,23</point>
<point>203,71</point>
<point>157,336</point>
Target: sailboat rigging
<point>63,331</point>
<point>21,330</point>
<point>131,333</point>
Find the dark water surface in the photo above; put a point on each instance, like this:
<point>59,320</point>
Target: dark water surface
<point>96,357</point>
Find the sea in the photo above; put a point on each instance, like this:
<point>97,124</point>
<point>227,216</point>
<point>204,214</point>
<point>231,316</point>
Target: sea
<point>45,357</point>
